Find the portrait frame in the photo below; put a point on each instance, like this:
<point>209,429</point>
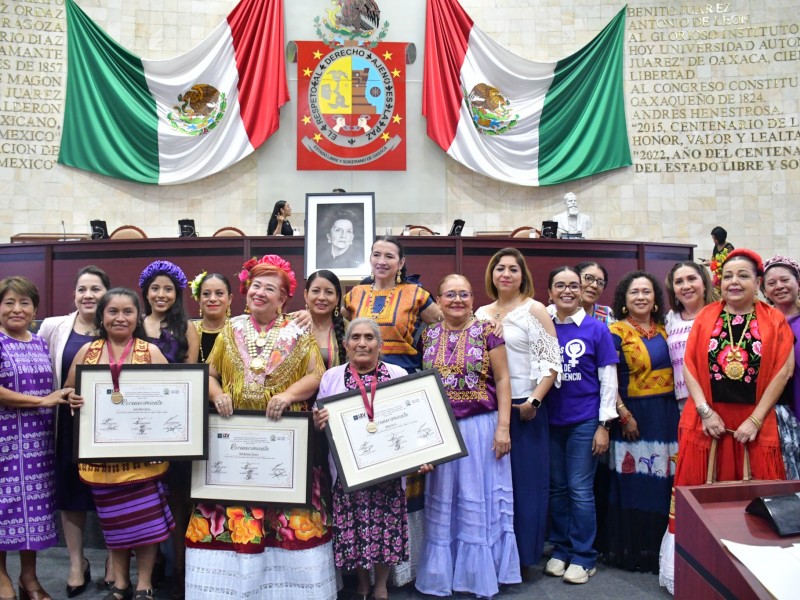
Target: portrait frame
<point>410,407</point>
<point>147,424</point>
<point>293,488</point>
<point>322,213</point>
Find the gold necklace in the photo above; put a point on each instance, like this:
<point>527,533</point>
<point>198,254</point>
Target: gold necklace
<point>260,343</point>
<point>447,365</point>
<point>734,369</point>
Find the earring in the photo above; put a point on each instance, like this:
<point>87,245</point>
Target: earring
<point>228,312</point>
<point>336,312</point>
<point>624,310</point>
<point>306,305</point>
<point>397,278</point>
<point>201,312</point>
<point>247,309</point>
<point>372,275</point>
<point>655,308</point>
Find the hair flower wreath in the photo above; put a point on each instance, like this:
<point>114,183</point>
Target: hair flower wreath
<point>163,267</point>
<point>195,284</point>
<point>268,259</point>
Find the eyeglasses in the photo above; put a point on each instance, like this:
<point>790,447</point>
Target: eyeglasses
<point>590,279</point>
<point>572,287</point>
<point>462,295</point>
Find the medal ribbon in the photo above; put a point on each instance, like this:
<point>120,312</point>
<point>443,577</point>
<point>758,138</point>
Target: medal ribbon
<point>257,327</point>
<point>116,365</point>
<point>369,404</point>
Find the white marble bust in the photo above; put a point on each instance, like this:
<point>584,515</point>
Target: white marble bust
<point>572,221</point>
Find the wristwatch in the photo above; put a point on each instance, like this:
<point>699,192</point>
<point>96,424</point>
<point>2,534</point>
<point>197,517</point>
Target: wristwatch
<point>605,424</point>
<point>534,402</point>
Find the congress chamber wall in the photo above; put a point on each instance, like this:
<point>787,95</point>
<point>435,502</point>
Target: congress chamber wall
<point>712,103</point>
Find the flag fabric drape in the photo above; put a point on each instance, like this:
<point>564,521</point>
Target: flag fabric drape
<point>520,121</point>
<point>176,120</point>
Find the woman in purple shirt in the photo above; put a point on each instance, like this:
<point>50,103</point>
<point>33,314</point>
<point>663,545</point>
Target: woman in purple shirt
<point>469,543</point>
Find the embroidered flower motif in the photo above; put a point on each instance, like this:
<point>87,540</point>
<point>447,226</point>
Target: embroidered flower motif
<point>215,516</point>
<point>198,529</point>
<point>756,348</point>
<point>754,329</point>
<point>306,525</point>
<point>475,330</point>
<point>471,379</point>
<point>717,328</point>
<point>712,344</point>
<point>476,352</point>
<point>737,320</point>
<point>244,528</point>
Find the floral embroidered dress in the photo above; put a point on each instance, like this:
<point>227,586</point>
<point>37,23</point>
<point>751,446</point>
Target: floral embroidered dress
<point>237,561</point>
<point>370,525</point>
<point>469,543</point>
<point>27,459</point>
<point>642,471</point>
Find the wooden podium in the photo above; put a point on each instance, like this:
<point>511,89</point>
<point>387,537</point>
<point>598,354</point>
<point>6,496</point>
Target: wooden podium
<point>703,566</point>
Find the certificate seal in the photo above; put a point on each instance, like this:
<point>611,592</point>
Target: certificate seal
<point>372,427</point>
<point>116,397</point>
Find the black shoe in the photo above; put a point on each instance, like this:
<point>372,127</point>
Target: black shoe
<point>76,590</point>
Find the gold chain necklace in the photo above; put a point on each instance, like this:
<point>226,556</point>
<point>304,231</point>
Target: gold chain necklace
<point>447,365</point>
<point>260,343</point>
<point>734,369</point>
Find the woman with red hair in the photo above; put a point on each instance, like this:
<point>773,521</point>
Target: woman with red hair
<point>263,361</point>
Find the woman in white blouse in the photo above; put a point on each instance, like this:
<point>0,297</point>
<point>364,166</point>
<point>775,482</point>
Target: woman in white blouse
<point>534,361</point>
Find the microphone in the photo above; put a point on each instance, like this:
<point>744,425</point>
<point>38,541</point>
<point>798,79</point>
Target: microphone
<point>64,231</point>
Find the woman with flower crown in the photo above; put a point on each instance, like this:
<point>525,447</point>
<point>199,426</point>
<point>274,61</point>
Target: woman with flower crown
<point>263,361</point>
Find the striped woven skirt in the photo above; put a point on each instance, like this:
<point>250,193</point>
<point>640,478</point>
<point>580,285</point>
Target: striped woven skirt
<point>134,514</point>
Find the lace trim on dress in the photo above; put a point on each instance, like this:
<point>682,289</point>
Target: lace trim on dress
<point>544,350</point>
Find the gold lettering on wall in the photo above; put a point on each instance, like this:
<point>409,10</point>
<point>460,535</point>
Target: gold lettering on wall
<point>32,82</point>
<point>710,91</point>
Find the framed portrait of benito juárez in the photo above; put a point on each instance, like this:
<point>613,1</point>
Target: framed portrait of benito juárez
<point>340,230</point>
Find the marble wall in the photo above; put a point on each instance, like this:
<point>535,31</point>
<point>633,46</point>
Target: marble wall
<point>712,104</point>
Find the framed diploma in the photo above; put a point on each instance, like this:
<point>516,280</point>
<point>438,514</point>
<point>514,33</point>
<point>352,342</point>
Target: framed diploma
<point>413,425</point>
<point>160,412</point>
<point>254,460</point>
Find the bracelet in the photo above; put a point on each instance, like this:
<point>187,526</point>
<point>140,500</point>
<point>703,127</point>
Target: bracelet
<point>708,415</point>
<point>704,410</point>
<point>755,421</point>
<point>621,405</point>
<point>624,420</point>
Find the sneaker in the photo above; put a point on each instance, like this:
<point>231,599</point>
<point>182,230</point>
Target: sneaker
<point>555,567</point>
<point>578,574</point>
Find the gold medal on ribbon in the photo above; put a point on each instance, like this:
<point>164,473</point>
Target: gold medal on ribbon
<point>261,342</point>
<point>116,397</point>
<point>372,427</point>
<point>257,364</point>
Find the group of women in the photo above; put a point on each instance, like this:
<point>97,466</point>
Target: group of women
<point>541,396</point>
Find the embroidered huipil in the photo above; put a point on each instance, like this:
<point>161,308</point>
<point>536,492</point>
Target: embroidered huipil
<point>462,358</point>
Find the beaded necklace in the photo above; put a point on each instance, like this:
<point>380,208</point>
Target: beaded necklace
<point>260,343</point>
<point>641,331</point>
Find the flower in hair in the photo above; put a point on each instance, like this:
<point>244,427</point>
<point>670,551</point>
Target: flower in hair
<point>268,259</point>
<point>163,267</point>
<point>195,284</point>
<point>783,261</point>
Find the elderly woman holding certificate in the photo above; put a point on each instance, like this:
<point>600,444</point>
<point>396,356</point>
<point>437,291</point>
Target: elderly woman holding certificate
<point>263,361</point>
<point>370,526</point>
<point>130,497</point>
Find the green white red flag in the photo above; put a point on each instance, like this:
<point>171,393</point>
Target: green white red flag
<point>176,120</point>
<point>520,121</point>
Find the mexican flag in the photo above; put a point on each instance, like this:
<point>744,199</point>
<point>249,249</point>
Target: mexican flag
<point>519,121</point>
<point>176,120</point>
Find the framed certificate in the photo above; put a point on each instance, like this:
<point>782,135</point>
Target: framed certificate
<point>162,414</point>
<point>255,460</point>
<point>415,426</point>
